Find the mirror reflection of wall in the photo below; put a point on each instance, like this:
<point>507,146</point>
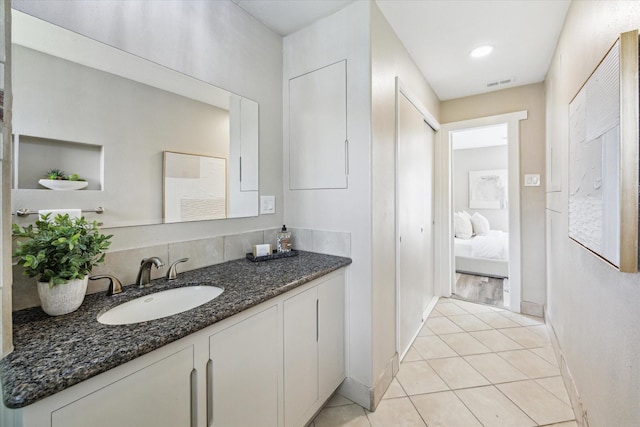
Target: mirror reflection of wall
<point>83,114</point>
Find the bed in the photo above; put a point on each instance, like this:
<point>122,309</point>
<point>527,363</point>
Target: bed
<point>486,255</point>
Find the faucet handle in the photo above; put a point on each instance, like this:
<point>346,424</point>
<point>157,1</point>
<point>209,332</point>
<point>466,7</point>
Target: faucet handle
<point>172,274</point>
<point>115,286</point>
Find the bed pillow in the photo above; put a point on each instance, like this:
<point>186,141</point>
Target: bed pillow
<point>465,214</point>
<point>480,224</point>
<point>462,226</point>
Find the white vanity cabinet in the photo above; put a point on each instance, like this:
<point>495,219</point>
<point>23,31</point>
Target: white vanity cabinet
<point>152,390</point>
<point>314,364</point>
<point>242,373</point>
<point>271,365</point>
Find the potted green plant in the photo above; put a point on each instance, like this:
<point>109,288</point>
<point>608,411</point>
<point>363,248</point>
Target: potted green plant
<point>61,252</point>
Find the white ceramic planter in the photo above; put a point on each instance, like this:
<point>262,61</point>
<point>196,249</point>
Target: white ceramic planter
<point>62,299</point>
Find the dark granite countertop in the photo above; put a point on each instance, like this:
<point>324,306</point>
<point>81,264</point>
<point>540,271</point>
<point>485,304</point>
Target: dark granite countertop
<point>54,353</point>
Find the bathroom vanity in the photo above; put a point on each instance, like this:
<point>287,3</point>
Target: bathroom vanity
<point>269,351</point>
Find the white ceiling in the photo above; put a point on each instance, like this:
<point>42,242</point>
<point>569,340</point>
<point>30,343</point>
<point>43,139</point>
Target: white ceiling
<point>288,16</point>
<point>439,34</point>
<point>486,136</point>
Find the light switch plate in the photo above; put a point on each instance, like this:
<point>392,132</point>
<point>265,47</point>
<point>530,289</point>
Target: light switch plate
<point>267,205</point>
<point>532,180</point>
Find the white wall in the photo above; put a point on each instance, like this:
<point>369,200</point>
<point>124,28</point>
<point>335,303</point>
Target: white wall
<point>343,35</point>
<point>476,159</point>
<point>592,308</point>
<point>389,59</point>
<point>214,41</point>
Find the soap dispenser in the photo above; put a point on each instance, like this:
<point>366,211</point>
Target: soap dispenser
<point>284,240</point>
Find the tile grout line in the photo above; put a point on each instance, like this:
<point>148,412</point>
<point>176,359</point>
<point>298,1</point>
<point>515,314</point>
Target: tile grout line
<point>494,385</point>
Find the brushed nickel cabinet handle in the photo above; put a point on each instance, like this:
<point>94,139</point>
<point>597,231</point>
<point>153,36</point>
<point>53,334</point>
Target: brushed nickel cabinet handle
<point>209,392</point>
<point>194,398</point>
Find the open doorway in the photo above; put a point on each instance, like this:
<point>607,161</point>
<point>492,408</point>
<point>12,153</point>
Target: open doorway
<point>480,171</point>
<point>445,257</point>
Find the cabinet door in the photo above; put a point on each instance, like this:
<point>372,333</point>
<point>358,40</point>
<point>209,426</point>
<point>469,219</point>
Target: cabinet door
<point>331,363</point>
<point>158,395</point>
<point>243,373</point>
<point>300,356</point>
<point>318,156</point>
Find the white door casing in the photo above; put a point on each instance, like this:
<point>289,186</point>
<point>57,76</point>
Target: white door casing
<point>445,275</point>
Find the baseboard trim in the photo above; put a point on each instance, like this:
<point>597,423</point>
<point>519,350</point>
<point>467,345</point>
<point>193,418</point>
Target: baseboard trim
<point>384,380</point>
<point>356,392</point>
<point>532,308</point>
<point>579,410</point>
<point>370,397</point>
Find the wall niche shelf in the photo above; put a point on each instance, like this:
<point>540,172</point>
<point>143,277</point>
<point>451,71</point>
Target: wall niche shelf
<point>34,156</point>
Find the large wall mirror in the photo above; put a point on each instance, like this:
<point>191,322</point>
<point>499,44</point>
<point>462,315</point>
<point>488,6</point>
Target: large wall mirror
<point>109,116</point>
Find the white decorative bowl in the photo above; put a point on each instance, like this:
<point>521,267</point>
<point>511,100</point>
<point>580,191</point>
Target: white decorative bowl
<point>62,184</point>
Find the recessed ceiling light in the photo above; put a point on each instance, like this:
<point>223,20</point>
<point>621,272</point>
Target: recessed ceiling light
<point>481,51</point>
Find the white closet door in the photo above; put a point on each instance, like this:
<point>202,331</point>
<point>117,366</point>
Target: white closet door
<point>411,190</point>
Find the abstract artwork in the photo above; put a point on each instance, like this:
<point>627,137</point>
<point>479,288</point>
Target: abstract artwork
<point>195,187</point>
<point>488,189</point>
<point>594,150</point>
<point>603,158</point>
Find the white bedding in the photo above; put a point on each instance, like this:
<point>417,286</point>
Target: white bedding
<point>495,245</point>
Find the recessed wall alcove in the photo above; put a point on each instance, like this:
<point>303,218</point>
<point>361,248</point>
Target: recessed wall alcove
<point>34,156</point>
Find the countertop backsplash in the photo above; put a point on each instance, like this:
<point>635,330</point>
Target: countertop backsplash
<point>203,252</point>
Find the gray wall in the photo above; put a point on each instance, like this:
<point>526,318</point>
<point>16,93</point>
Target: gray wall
<point>593,309</point>
<point>476,159</point>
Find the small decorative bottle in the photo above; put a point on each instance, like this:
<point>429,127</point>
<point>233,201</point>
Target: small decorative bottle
<point>284,240</point>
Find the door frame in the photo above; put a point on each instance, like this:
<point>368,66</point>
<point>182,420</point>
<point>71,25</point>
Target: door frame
<point>445,275</point>
<point>401,90</point>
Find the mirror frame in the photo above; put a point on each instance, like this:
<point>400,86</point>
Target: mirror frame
<point>42,36</point>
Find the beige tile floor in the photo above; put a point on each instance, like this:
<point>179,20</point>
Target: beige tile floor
<point>471,365</point>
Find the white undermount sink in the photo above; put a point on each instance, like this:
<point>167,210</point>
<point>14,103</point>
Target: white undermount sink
<point>160,304</point>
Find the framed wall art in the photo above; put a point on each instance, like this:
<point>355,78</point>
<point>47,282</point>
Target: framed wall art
<point>488,189</point>
<point>195,187</point>
<point>603,158</point>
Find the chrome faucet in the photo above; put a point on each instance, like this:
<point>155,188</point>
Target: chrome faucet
<point>144,274</point>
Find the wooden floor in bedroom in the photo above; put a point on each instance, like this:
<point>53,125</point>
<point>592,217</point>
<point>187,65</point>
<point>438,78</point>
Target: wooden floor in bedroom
<point>483,290</point>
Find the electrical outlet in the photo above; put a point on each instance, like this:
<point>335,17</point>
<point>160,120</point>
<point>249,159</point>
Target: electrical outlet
<point>532,180</point>
<point>267,205</point>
